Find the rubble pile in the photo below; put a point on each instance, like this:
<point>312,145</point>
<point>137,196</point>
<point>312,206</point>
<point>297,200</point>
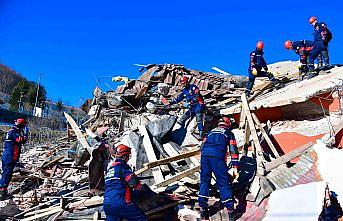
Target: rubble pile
<point>65,180</point>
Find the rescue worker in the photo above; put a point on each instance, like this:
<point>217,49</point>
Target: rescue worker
<point>308,52</point>
<point>15,138</point>
<point>257,63</point>
<point>120,182</point>
<point>323,36</point>
<point>194,102</point>
<point>213,160</point>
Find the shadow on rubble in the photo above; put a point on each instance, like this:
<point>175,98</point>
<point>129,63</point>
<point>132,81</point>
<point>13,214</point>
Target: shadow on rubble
<point>149,201</point>
<point>240,188</point>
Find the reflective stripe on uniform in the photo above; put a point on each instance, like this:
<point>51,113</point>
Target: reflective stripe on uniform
<point>215,132</point>
<point>113,178</point>
<point>224,201</point>
<point>204,196</point>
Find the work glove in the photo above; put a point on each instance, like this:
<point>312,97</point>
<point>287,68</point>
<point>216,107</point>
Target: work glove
<point>234,173</point>
<point>254,72</point>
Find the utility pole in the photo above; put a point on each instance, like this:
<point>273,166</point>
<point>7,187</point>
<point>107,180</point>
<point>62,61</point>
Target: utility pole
<point>34,109</point>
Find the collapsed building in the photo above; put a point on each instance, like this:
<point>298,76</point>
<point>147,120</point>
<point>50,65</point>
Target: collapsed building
<point>285,138</point>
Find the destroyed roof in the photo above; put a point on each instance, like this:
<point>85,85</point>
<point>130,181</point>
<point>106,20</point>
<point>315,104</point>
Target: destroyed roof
<point>295,92</point>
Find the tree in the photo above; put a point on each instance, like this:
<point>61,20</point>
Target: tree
<point>22,86</point>
<point>32,93</point>
<point>8,79</point>
<point>59,105</point>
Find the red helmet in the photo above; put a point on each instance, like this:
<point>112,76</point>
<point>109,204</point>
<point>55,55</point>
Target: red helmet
<point>288,44</point>
<point>260,45</point>
<point>122,150</point>
<point>312,19</point>
<point>184,79</point>
<point>225,121</point>
<point>20,121</point>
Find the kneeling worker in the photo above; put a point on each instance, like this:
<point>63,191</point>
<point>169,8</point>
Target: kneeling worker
<point>119,184</point>
<point>308,52</point>
<point>213,160</point>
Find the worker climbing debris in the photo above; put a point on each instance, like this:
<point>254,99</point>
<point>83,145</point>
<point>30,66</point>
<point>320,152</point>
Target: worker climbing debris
<point>322,35</point>
<point>15,138</point>
<point>193,102</point>
<point>213,160</point>
<point>257,63</point>
<point>120,182</point>
<point>308,52</point>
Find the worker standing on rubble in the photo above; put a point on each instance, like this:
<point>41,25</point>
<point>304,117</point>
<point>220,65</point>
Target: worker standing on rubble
<point>322,35</point>
<point>308,52</point>
<point>213,160</point>
<point>194,102</point>
<point>15,137</point>
<point>257,63</point>
<point>120,182</point>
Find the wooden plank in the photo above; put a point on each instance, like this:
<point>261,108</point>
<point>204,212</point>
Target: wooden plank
<point>52,211</point>
<point>50,201</point>
<point>158,209</point>
<point>121,121</point>
<point>96,200</point>
<point>287,157</point>
<point>149,150</point>
<point>242,119</point>
<point>178,177</point>
<point>78,133</point>
<point>246,140</point>
<point>168,160</point>
<point>266,137</point>
<point>257,145</point>
<point>41,211</point>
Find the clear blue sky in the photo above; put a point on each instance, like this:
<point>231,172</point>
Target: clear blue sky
<point>71,41</point>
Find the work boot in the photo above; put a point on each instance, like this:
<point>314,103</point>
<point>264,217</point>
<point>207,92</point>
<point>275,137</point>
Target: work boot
<point>310,74</point>
<point>277,83</point>
<point>204,214</point>
<point>4,195</point>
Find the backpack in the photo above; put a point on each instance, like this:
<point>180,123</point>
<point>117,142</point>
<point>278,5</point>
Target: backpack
<point>328,36</point>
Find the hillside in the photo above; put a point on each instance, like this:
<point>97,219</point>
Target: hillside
<point>8,79</point>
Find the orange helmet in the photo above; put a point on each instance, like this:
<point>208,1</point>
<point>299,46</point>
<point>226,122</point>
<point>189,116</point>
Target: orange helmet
<point>260,45</point>
<point>184,79</point>
<point>122,150</point>
<point>312,19</point>
<point>225,121</point>
<point>20,121</point>
<point>288,44</point>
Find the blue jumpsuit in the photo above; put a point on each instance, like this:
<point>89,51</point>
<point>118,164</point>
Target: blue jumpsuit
<point>213,159</point>
<point>119,182</point>
<point>257,61</point>
<point>194,101</point>
<point>15,137</point>
<point>308,51</point>
<point>322,35</point>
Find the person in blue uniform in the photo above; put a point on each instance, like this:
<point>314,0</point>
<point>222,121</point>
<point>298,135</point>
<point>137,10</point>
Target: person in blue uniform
<point>15,138</point>
<point>120,182</point>
<point>321,35</point>
<point>194,102</point>
<point>213,160</point>
<point>257,63</point>
<point>308,52</point>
